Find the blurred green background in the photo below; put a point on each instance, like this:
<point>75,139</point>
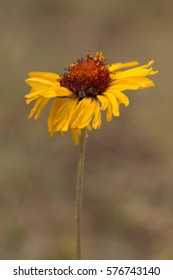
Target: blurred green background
<point>128,188</point>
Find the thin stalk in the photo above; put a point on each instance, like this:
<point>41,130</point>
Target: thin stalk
<point>78,197</point>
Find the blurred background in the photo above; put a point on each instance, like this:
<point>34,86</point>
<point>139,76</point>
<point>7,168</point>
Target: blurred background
<point>128,180</point>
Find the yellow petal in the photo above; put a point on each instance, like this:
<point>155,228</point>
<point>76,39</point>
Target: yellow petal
<point>119,65</point>
<point>109,112</point>
<point>35,93</point>
<point>122,98</point>
<point>41,83</point>
<point>131,83</point>
<point>85,121</point>
<point>89,127</point>
<point>106,105</point>
<point>53,111</point>
<point>63,116</point>
<point>38,107</point>
<point>75,135</point>
<point>63,110</point>
<point>104,101</point>
<point>49,93</point>
<point>62,91</point>
<point>119,95</point>
<point>33,110</point>
<point>80,109</point>
<point>137,71</point>
<point>149,64</point>
<point>83,113</point>
<point>28,101</point>
<point>96,123</point>
<point>113,101</point>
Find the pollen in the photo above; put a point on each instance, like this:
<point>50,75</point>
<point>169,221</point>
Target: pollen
<point>87,77</point>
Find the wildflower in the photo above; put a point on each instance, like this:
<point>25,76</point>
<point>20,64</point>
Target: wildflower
<point>87,87</point>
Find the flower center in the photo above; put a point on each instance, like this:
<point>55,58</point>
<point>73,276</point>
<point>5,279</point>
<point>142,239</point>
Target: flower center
<point>87,77</point>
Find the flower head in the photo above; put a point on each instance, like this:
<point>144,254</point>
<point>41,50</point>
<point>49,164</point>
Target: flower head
<point>87,87</point>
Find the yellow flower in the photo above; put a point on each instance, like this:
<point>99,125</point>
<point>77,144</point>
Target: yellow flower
<point>88,87</point>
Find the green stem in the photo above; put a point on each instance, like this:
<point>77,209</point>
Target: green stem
<point>78,198</point>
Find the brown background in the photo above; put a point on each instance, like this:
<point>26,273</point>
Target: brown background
<point>128,192</point>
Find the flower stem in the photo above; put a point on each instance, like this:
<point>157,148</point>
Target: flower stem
<point>78,198</point>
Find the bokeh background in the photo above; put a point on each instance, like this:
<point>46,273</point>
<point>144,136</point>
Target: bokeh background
<point>128,188</point>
